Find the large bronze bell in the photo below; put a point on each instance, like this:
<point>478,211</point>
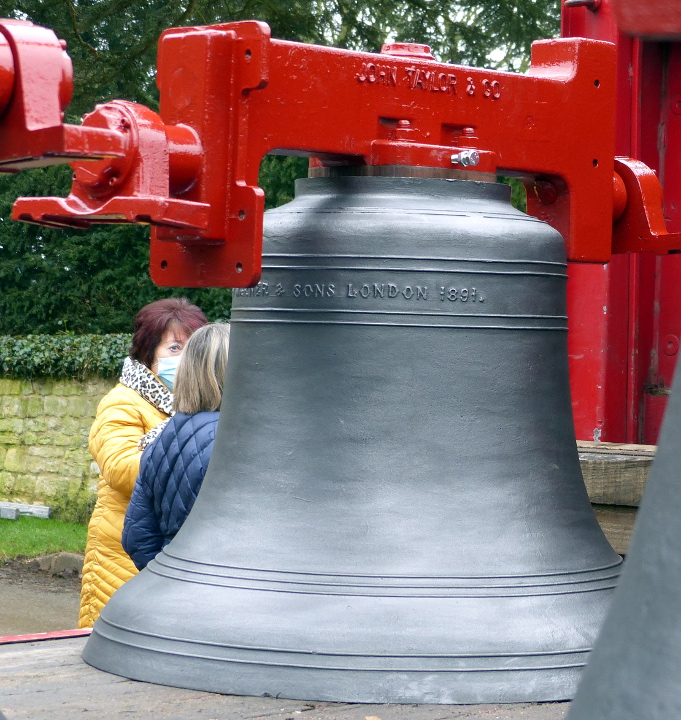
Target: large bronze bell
<point>634,672</point>
<point>394,511</point>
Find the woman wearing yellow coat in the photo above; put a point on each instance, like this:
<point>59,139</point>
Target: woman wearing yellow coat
<point>140,401</point>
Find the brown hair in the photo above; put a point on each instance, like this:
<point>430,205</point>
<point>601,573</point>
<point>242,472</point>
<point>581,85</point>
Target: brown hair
<point>154,319</point>
<point>201,372</point>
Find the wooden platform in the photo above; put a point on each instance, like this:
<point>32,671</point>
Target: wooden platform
<point>615,475</point>
<point>49,681</point>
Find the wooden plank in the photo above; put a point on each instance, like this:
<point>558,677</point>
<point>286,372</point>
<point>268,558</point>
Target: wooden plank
<point>49,681</point>
<point>615,473</point>
<point>618,524</point>
<point>40,511</point>
<point>606,448</point>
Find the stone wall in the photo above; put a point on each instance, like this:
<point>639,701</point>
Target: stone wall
<point>44,425</point>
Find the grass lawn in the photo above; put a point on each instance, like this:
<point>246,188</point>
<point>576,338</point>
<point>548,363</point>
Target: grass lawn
<point>32,537</point>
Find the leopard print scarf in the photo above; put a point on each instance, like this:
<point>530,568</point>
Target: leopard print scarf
<point>139,378</point>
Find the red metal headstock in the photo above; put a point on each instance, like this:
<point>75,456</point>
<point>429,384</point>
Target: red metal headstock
<point>230,95</point>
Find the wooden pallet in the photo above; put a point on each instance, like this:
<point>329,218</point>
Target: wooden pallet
<point>615,475</point>
<point>48,680</point>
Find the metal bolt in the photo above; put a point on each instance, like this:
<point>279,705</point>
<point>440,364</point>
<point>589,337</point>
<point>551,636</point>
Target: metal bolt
<point>408,50</point>
<point>466,158</point>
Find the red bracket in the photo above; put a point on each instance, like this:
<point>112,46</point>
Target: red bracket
<point>135,161</point>
<point>36,83</point>
<point>641,226</point>
<point>141,162</point>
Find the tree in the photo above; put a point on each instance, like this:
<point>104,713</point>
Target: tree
<point>91,281</point>
<point>95,281</point>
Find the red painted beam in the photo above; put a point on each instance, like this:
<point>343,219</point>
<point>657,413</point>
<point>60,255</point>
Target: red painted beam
<point>38,637</point>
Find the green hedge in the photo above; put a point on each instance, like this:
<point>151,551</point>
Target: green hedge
<point>63,356</point>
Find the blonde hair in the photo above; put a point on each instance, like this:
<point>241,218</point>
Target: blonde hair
<point>201,372</point>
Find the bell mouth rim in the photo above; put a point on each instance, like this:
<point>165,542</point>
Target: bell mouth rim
<point>400,171</point>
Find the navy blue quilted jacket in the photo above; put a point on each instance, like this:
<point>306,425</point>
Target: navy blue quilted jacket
<point>171,472</point>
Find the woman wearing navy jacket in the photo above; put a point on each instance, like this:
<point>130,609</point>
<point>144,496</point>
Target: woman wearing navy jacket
<point>173,466</point>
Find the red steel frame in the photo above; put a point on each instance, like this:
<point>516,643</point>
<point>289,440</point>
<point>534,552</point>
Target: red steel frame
<point>230,94</point>
<point>625,317</point>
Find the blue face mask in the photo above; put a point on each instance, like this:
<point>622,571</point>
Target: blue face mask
<point>167,367</point>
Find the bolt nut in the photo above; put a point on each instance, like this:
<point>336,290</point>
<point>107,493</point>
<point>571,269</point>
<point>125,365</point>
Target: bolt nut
<point>466,158</point>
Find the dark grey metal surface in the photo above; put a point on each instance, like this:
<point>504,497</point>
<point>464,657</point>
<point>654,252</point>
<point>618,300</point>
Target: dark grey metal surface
<point>394,510</point>
<point>635,670</point>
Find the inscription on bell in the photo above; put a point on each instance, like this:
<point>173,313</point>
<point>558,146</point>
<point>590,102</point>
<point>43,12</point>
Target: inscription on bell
<point>260,289</point>
<point>454,294</point>
<point>364,291</point>
<point>387,290</point>
<point>316,290</point>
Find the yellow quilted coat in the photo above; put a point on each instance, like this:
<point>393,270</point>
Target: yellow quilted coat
<point>123,417</point>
